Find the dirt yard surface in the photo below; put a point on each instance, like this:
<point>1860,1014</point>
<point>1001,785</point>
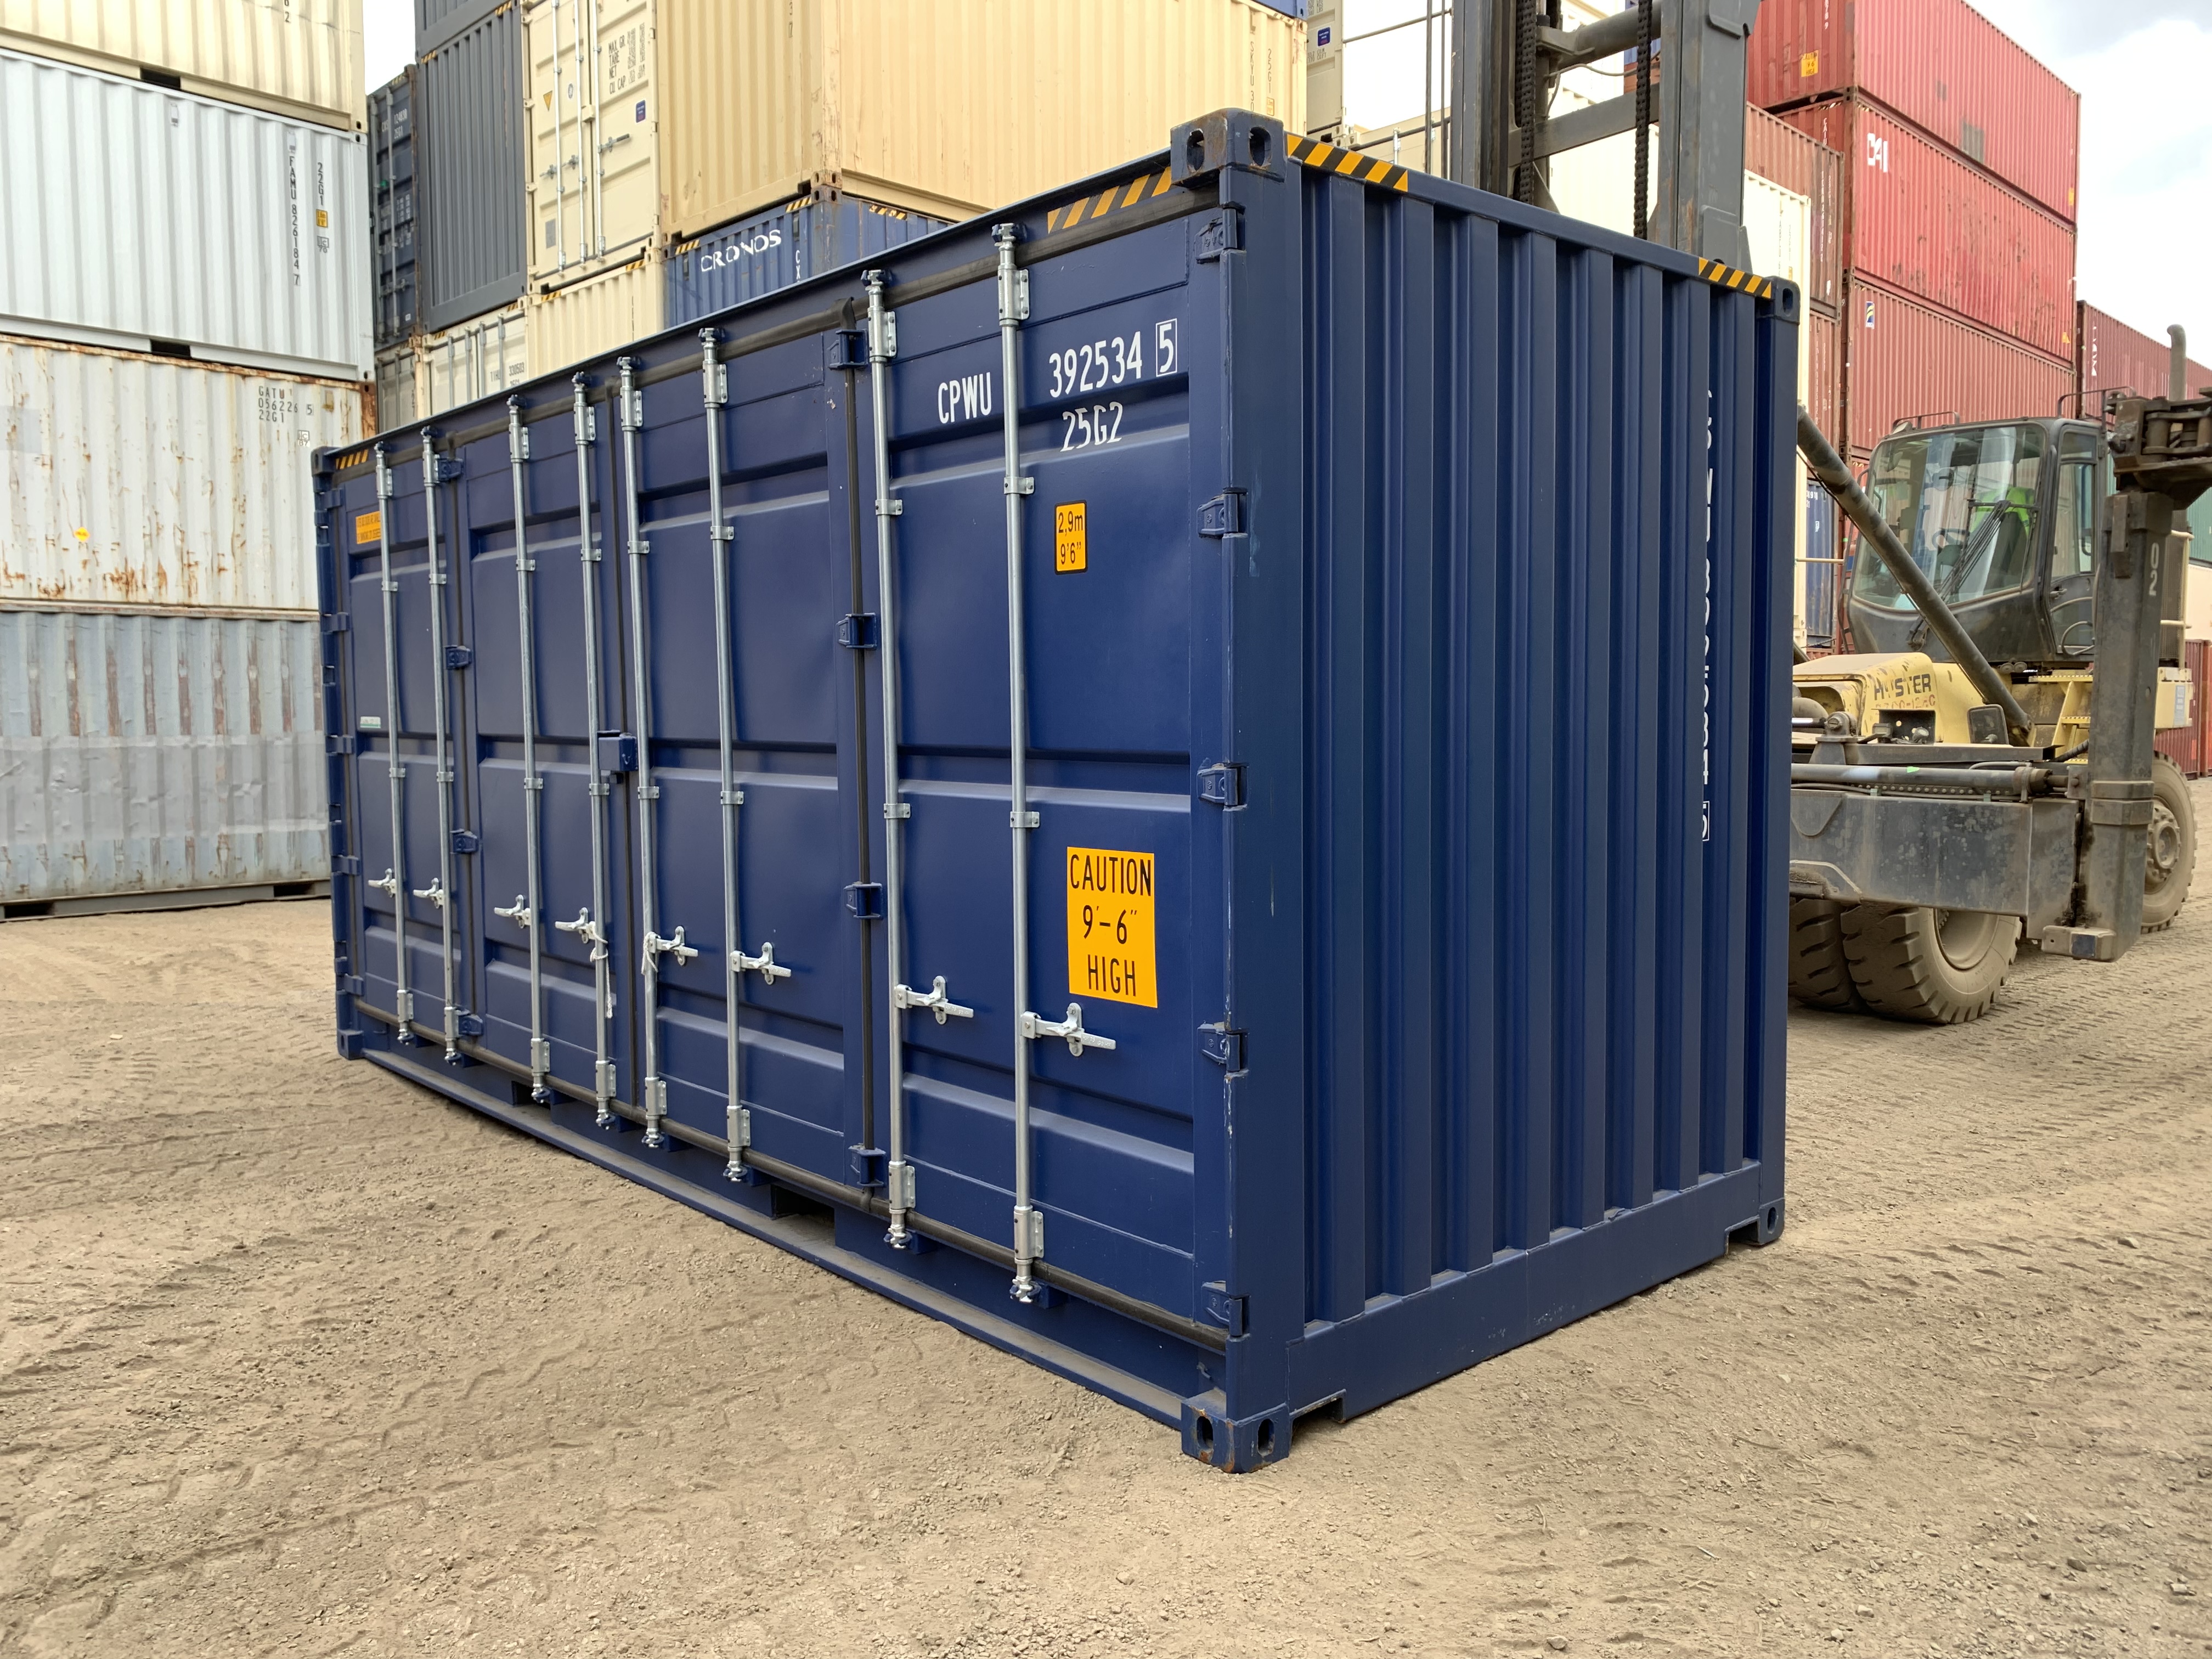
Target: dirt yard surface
<point>299,1359</point>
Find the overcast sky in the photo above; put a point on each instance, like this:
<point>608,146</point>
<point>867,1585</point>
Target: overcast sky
<point>2143,68</point>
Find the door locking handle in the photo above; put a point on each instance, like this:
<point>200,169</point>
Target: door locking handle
<point>435,892</point>
<point>1070,1028</point>
<point>518,913</point>
<point>655,945</point>
<point>587,930</point>
<point>934,1000</point>
<point>764,964</point>
<point>389,884</point>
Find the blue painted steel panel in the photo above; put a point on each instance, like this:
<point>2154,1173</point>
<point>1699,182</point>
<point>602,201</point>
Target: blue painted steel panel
<point>807,237</point>
<point>1422,650</point>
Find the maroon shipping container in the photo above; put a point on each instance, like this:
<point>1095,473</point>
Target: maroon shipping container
<point>1918,219</point>
<point>1797,161</point>
<point>2108,352</point>
<point>1823,375</point>
<point>1904,357</point>
<point>1942,66</point>
<point>2185,745</point>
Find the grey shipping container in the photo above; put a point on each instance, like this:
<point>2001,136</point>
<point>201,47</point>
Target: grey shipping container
<point>804,238</point>
<point>1344,984</point>
<point>393,201</point>
<point>148,756</point>
<point>470,155</point>
<point>437,21</point>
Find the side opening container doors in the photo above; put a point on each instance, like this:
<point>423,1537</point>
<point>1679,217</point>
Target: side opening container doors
<point>742,883</point>
<point>1118,622</point>
<point>545,668</point>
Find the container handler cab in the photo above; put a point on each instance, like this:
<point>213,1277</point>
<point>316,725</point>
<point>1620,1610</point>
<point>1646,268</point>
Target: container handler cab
<point>1981,768</point>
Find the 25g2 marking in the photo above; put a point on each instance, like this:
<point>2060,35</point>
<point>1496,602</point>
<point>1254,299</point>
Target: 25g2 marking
<point>1100,423</point>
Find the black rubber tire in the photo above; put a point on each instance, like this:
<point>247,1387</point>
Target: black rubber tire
<point>2170,848</point>
<point>1819,977</point>
<point>1943,967</point>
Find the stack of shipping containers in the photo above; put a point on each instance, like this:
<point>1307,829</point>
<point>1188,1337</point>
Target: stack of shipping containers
<point>185,319</point>
<point>579,174</point>
<point>1960,174</point>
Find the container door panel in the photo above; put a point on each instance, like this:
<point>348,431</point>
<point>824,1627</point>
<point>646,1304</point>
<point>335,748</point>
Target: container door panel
<point>1109,551</point>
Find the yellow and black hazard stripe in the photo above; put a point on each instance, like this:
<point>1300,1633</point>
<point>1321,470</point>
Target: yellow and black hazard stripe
<point>1741,281</point>
<point>1368,169</point>
<point>1110,200</point>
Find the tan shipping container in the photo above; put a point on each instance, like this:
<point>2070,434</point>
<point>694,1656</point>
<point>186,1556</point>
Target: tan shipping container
<point>595,175</point>
<point>600,314</point>
<point>298,59</point>
<point>949,108</point>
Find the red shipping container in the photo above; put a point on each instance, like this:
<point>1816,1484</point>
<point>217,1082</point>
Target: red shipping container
<point>1797,161</point>
<point>1918,219</point>
<point>2109,353</point>
<point>1942,66</point>
<point>2185,744</point>
<point>1904,357</point>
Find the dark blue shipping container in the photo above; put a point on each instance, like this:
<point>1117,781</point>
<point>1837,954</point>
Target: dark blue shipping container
<point>814,234</point>
<point>1242,803</point>
<point>1824,567</point>
<point>392,204</point>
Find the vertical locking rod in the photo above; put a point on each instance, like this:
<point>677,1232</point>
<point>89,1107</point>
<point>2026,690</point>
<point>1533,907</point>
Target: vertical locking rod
<point>442,895</point>
<point>880,347</point>
<point>533,907</point>
<point>1013,309</point>
<point>592,924</point>
<point>655,1104</point>
<point>715,391</point>
<point>395,879</point>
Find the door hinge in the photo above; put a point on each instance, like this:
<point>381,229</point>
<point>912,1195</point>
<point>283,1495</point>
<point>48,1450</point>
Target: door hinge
<point>1224,1045</point>
<point>344,743</point>
<point>1223,233</point>
<point>1223,515</point>
<point>460,656</point>
<point>326,499</point>
<point>865,899</point>
<point>338,621</point>
<point>1223,1308</point>
<point>346,864</point>
<point>1222,784</point>
<point>352,984</point>
<point>466,842</point>
<point>858,631</point>
<point>848,349</point>
<point>867,1165</point>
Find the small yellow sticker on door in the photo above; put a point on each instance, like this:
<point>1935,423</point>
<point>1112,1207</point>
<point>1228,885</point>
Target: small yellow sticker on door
<point>368,527</point>
<point>1071,541</point>
<point>1110,950</point>
<point>1808,66</point>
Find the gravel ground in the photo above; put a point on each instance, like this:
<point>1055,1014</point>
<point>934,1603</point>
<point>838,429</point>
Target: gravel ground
<point>298,1358</point>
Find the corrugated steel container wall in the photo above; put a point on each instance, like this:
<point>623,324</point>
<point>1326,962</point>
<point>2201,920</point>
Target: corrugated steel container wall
<point>484,357</point>
<point>600,314</point>
<point>1902,357</point>
<point>595,185</point>
<point>1823,392</point>
<point>393,199</point>
<point>1323,543</point>
<point>302,58</point>
<point>1824,567</point>
<point>1774,149</point>
<point>141,481</point>
<point>437,21</point>
<point>996,100</point>
<point>1942,66</point>
<point>1920,220</point>
<point>2185,745</point>
<point>470,160</point>
<point>109,192</point>
<point>817,233</point>
<point>2110,354</point>
<point>149,753</point>
<point>398,396</point>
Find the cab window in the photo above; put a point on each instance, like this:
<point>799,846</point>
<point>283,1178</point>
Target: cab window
<point>2074,540</point>
<point>1964,502</point>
